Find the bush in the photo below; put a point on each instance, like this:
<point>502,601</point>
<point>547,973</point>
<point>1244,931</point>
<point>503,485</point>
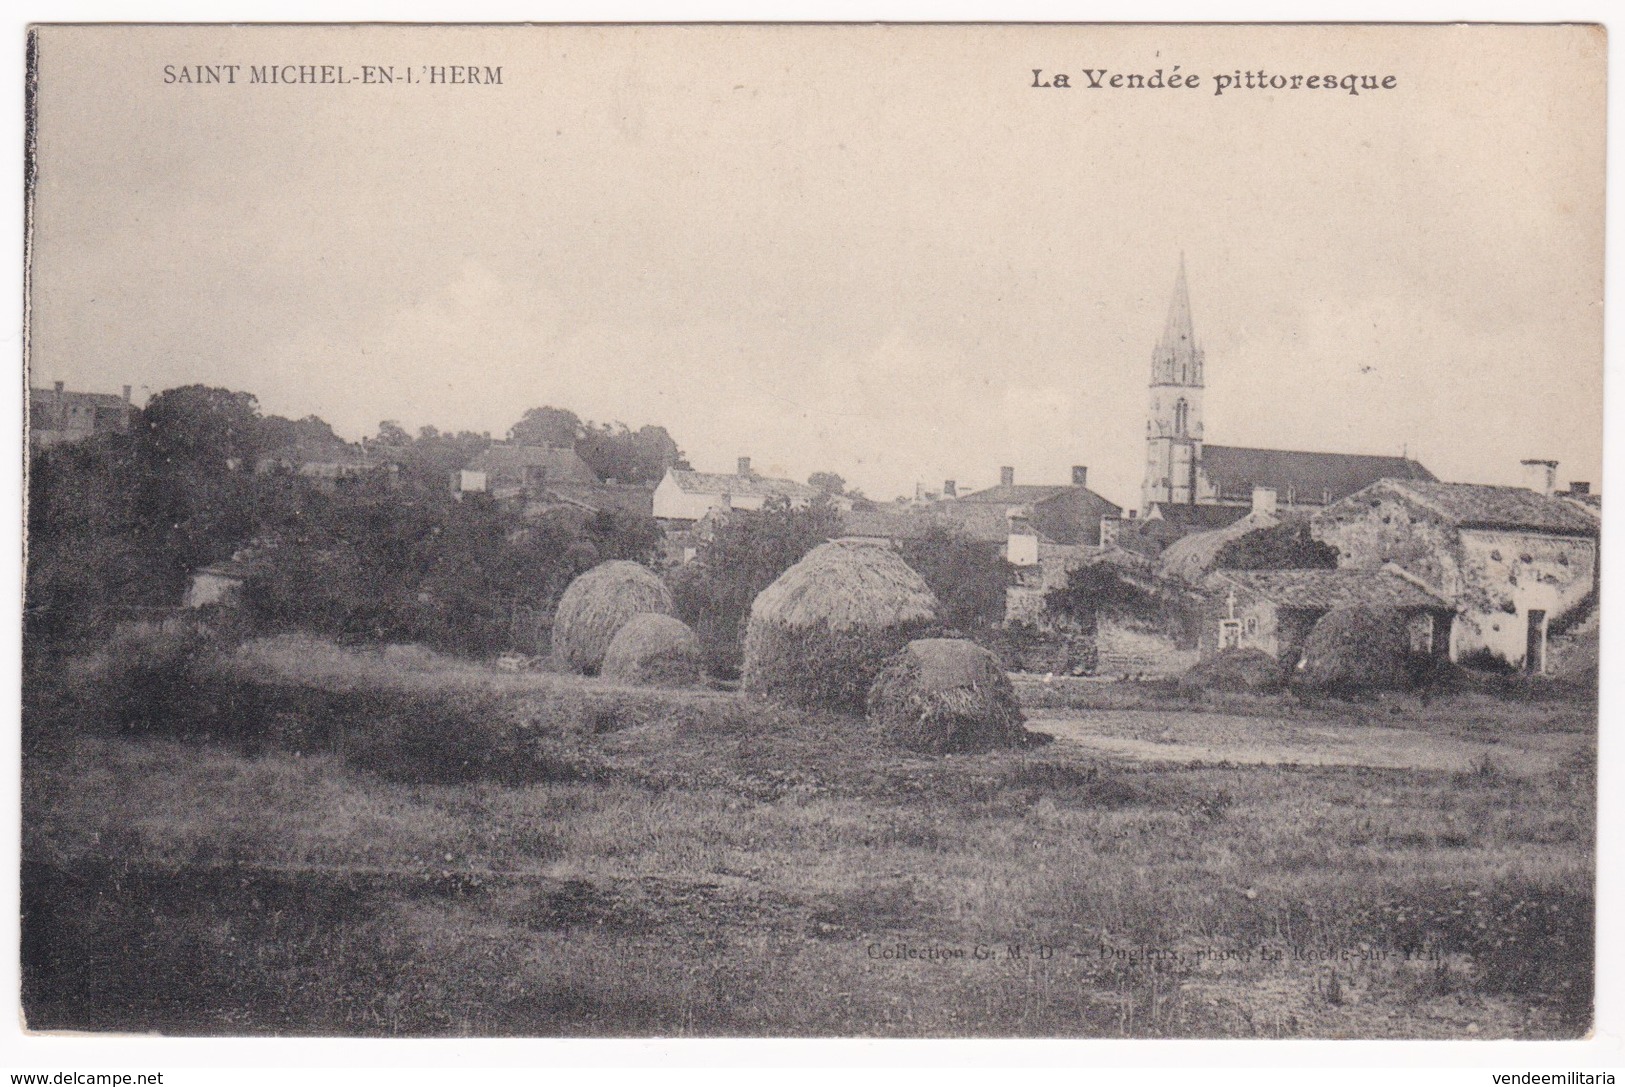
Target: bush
<point>1251,671</point>
<point>942,695</point>
<point>1356,651</point>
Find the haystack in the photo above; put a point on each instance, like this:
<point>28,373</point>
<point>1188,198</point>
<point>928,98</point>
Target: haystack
<point>820,634</point>
<point>1355,650</point>
<point>595,606</point>
<point>654,649</point>
<point>942,695</point>
<point>1247,670</point>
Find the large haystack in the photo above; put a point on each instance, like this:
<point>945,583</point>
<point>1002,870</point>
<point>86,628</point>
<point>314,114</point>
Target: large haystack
<point>654,649</point>
<point>820,634</point>
<point>942,695</point>
<point>1355,650</point>
<point>595,606</point>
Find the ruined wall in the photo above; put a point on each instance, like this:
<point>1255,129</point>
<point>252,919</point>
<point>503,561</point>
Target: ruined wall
<point>1505,575</point>
<point>1378,526</point>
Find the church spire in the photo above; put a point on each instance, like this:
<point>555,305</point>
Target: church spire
<point>1177,360</point>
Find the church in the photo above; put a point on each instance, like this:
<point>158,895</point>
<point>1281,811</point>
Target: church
<point>1196,485</point>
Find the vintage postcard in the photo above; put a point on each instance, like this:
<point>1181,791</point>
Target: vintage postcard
<point>940,531</point>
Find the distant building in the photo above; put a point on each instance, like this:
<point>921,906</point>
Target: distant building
<point>327,462</point>
<point>56,415</point>
<point>1511,560</point>
<point>1183,470</point>
<point>687,496</point>
<point>1068,514</point>
<point>510,470</point>
<point>631,498</point>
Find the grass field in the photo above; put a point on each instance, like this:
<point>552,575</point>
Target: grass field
<point>633,862</point>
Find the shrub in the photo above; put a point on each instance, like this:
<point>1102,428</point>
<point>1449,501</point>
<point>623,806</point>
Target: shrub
<point>820,634</point>
<point>1354,651</point>
<point>1245,670</point>
<point>595,606</point>
<point>654,649</point>
<point>942,695</point>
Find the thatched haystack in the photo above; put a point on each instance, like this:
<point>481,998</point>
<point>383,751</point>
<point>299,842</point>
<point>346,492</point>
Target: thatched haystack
<point>1354,651</point>
<point>819,635</point>
<point>596,604</point>
<point>942,695</point>
<point>654,649</point>
<point>1251,671</point>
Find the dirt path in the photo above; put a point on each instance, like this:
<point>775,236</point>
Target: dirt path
<point>1209,738</point>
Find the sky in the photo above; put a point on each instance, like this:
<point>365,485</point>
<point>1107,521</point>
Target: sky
<point>876,251</point>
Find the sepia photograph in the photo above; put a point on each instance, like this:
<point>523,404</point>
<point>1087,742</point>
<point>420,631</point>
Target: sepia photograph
<point>715,530</point>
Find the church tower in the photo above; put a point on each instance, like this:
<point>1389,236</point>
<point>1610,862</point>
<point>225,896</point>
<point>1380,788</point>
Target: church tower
<point>1173,428</point>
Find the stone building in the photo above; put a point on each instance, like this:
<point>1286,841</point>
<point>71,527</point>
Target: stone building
<point>1511,560</point>
<point>57,415</point>
<point>685,496</point>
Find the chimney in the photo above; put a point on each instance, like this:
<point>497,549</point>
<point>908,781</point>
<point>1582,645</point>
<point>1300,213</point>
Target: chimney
<point>1263,499</point>
<point>1577,487</point>
<point>1540,476</point>
<point>1080,476</point>
<point>60,385</point>
<point>126,394</point>
<point>1007,477</point>
<point>744,466</point>
<point>950,489</point>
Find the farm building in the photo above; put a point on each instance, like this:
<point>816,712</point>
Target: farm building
<point>688,496</point>
<point>57,415</point>
<point>1511,560</point>
<point>1274,610</point>
<point>511,470</point>
<point>1068,514</point>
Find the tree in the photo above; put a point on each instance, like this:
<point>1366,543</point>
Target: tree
<point>1286,546</point>
<point>547,426</point>
<point>969,576</point>
<point>748,552</point>
<point>828,483</point>
<point>1100,590</point>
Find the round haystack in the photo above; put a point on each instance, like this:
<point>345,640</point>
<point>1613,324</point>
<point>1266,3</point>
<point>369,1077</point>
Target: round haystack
<point>596,604</point>
<point>655,649</point>
<point>942,695</point>
<point>1247,670</point>
<point>1355,650</point>
<point>819,635</point>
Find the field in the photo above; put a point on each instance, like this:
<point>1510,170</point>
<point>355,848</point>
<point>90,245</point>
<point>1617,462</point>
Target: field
<point>298,839</point>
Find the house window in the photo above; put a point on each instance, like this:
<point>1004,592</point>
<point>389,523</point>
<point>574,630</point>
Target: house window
<point>1229,633</point>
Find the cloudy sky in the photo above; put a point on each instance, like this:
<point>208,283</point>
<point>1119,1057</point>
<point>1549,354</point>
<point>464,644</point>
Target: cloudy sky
<point>876,251</point>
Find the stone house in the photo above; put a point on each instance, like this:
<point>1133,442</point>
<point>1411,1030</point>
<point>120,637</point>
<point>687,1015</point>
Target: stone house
<point>1274,610</point>
<point>512,470</point>
<point>1511,560</point>
<point>57,415</point>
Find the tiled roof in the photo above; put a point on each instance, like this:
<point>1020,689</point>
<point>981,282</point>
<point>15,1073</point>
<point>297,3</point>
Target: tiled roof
<point>624,497</point>
<point>1016,494</point>
<point>980,520</point>
<point>1299,476</point>
<point>45,397</point>
<point>890,524</point>
<point>738,486</point>
<point>560,464</point>
<point>1473,505</point>
<point>1328,589</point>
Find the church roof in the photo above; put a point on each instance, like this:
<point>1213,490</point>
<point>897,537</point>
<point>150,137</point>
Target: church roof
<point>1295,476</point>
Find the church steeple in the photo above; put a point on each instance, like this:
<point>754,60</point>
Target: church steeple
<point>1173,427</point>
<point>1177,360</point>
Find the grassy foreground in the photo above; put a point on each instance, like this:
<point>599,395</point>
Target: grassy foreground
<point>316,845</point>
